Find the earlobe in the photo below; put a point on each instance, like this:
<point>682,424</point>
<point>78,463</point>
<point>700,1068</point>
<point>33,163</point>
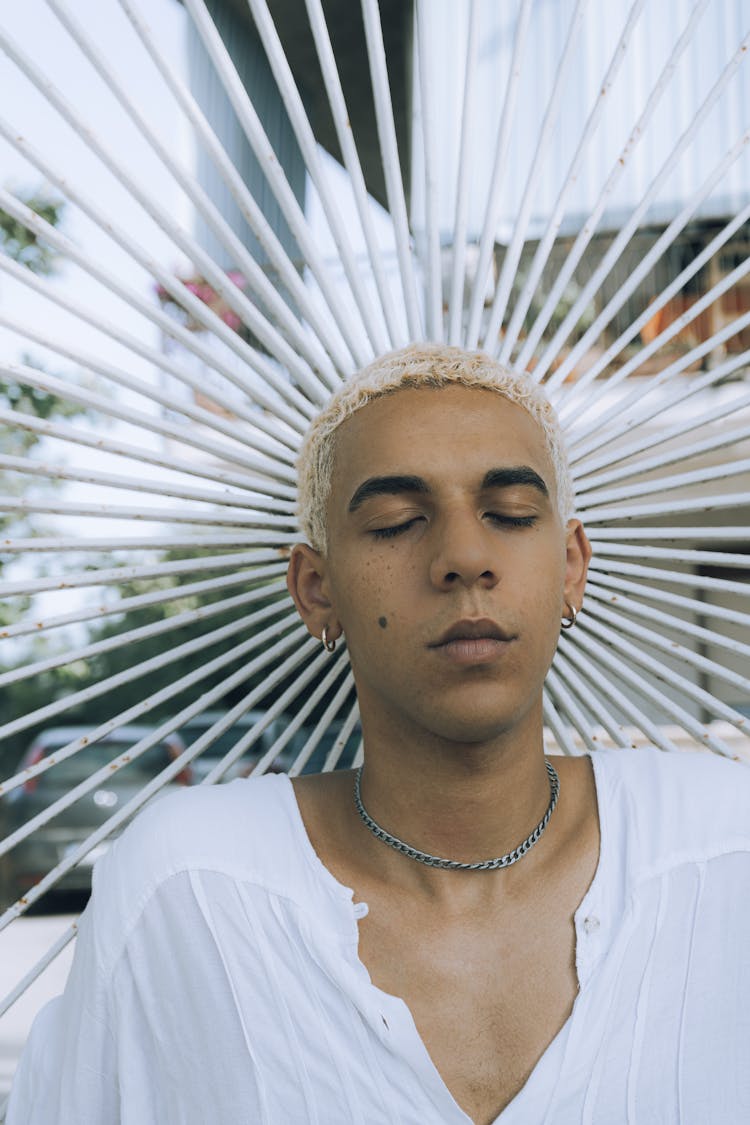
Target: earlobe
<point>306,582</point>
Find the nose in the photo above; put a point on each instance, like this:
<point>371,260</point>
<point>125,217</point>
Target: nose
<point>465,554</point>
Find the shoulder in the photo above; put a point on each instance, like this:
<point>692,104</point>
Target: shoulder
<point>672,808</point>
<point>245,829</point>
<point>206,823</point>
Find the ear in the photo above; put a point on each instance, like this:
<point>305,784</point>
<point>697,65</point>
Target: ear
<point>577,558</point>
<point>307,583</point>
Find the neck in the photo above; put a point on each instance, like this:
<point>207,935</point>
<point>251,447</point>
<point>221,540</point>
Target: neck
<point>461,801</point>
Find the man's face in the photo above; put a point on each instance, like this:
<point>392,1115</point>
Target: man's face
<point>447,562</point>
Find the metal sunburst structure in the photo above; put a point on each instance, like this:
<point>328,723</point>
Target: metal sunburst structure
<point>565,187</point>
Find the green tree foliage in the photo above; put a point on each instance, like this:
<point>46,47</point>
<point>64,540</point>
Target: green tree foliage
<point>21,244</point>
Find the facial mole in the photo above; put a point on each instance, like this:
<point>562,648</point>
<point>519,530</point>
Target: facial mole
<point>383,622</point>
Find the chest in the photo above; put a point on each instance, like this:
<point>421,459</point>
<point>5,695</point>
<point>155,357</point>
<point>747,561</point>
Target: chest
<point>487,993</point>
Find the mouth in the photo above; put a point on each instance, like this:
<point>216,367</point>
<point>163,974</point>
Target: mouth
<point>473,640</point>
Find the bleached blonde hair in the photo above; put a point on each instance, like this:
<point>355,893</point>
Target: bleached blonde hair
<point>419,365</point>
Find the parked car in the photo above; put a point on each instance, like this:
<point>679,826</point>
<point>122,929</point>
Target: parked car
<point>33,857</point>
<point>213,754</point>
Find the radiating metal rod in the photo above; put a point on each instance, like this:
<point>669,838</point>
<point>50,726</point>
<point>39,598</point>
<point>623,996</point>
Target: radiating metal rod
<point>394,184</point>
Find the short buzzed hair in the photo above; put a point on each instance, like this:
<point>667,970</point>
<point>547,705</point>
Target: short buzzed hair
<point>419,365</point>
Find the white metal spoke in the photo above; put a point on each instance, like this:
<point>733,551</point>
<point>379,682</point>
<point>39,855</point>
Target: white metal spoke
<point>613,587</point>
<point>352,164</point>
<point>250,433</point>
<point>432,264</point>
<point>629,673</point>
<point>320,728</point>
<point>250,210</point>
<point>513,253</point>
<point>625,234</point>
<point>180,292</point>
<point>608,548</point>
<point>671,534</point>
<point>731,405</point>
<point>679,367</point>
<point>77,436</point>
<point>678,324</point>
<point>254,275</point>
<point>391,166</point>
<point>309,147</point>
<point>79,394</point>
<point>156,597</point>
<point>263,149</point>
<point>302,713</point>
<point>253,500</point>
<point>117,575</point>
<point>636,656</point>
<point>176,622</point>
<point>709,503</point>
<point>606,685</point>
<point>494,202</point>
<point>463,172</point>
<point>653,407</point>
<point>240,540</point>
<point>600,567</point>
<point>594,704</point>
<point>152,515</point>
<point>184,297</point>
<point>665,240</point>
<point>570,704</point>
<point>59,706</point>
<point>313,668</point>
<point>177,687</point>
<point>631,608</point>
<point>562,734</point>
<point>719,439</point>
<point>342,738</point>
<point>587,230</point>
<point>542,252</point>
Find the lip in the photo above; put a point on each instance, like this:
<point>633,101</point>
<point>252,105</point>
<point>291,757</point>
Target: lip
<point>473,641</point>
<point>473,629</point>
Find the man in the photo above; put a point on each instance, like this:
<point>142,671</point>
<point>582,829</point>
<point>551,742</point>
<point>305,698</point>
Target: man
<point>463,932</point>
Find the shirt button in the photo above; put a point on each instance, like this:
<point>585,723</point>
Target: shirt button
<point>591,924</point>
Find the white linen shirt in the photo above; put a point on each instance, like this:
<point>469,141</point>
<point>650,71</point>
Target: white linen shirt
<point>216,979</point>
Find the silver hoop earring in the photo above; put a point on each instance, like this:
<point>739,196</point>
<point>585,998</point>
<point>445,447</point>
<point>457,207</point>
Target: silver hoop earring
<point>569,622</point>
<point>329,646</point>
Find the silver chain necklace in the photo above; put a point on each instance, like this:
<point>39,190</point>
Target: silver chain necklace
<point>452,864</point>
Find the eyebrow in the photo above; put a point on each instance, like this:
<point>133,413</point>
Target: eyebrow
<point>398,484</point>
<point>517,474</point>
<point>387,486</point>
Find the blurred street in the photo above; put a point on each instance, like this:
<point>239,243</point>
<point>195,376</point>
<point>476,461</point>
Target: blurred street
<point>21,946</point>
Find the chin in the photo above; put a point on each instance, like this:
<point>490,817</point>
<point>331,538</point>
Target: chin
<point>473,729</point>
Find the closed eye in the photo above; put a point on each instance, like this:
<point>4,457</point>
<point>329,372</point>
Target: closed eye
<point>396,529</point>
<point>512,521</point>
